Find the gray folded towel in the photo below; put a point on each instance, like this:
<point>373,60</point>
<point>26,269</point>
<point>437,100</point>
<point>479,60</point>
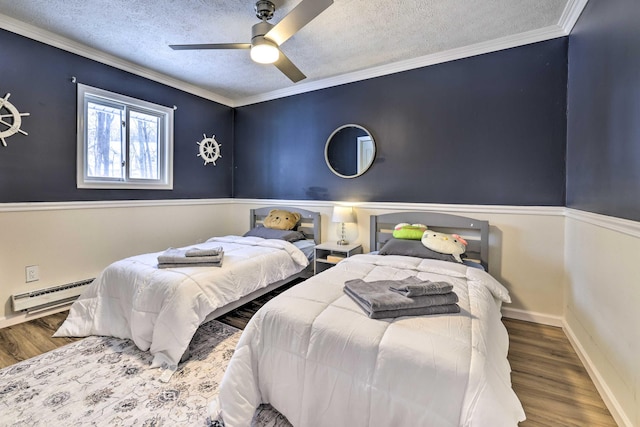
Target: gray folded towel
<point>416,311</point>
<point>195,252</point>
<point>178,256</point>
<point>376,296</point>
<point>423,288</point>
<point>191,264</point>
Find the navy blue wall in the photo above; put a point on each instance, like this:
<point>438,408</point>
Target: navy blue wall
<point>484,130</point>
<point>603,142</point>
<point>42,165</point>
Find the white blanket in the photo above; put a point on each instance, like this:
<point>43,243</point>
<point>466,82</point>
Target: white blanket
<point>160,309</point>
<point>316,357</point>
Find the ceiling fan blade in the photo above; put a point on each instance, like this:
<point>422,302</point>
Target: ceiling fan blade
<point>210,46</point>
<point>285,65</point>
<point>300,16</point>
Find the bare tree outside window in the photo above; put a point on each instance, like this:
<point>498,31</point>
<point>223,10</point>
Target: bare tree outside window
<point>123,142</point>
<point>143,154</point>
<point>104,145</point>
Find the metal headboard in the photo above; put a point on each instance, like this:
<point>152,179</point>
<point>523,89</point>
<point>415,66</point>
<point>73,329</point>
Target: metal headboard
<point>474,231</point>
<point>309,223</point>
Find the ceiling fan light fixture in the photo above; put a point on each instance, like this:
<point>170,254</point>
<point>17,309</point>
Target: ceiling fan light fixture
<point>264,51</point>
<point>267,38</point>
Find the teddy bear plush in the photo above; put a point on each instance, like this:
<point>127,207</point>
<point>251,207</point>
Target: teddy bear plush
<point>444,243</point>
<point>280,219</point>
<point>408,231</point>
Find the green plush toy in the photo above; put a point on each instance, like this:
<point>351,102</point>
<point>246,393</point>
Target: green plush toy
<point>280,219</point>
<point>409,231</point>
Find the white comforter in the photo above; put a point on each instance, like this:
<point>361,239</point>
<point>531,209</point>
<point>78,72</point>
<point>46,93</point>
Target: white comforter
<point>318,359</point>
<point>160,309</point>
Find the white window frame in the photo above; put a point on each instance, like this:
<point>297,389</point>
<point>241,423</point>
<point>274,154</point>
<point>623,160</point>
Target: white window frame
<point>165,145</point>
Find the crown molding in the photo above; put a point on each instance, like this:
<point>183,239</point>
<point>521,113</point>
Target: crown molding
<point>568,19</point>
<point>515,40</point>
<point>570,15</point>
<point>51,39</point>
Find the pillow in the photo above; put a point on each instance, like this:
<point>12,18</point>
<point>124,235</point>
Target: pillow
<point>409,231</point>
<point>473,264</point>
<point>272,233</point>
<point>413,248</point>
<point>307,247</point>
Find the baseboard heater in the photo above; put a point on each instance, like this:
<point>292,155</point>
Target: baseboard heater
<point>48,298</point>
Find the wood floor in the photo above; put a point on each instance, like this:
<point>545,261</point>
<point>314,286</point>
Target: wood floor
<point>550,380</point>
<point>548,377</point>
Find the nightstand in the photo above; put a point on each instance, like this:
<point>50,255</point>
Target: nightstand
<point>329,254</point>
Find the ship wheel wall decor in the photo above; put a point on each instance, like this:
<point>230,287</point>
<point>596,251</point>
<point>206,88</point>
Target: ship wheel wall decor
<point>10,119</point>
<point>209,149</point>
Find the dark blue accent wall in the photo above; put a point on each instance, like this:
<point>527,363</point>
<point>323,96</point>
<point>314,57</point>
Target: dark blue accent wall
<point>490,129</point>
<point>603,129</point>
<point>42,166</point>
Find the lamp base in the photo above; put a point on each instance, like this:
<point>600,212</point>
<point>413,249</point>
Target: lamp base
<point>343,237</point>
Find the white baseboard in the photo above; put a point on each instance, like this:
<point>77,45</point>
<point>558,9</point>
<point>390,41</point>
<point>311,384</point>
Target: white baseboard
<point>605,392</point>
<point>7,321</point>
<point>532,316</point>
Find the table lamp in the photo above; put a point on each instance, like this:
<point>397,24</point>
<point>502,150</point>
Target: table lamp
<point>343,215</point>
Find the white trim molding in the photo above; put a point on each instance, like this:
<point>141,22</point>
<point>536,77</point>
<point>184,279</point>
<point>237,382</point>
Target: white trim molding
<point>6,321</point>
<point>620,225</point>
<point>51,39</point>
<point>605,392</point>
<point>532,316</point>
<point>427,207</point>
<point>57,206</point>
<point>625,226</point>
<point>569,16</point>
<point>515,40</point>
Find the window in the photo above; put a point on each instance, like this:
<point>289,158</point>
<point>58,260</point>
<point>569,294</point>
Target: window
<point>123,142</point>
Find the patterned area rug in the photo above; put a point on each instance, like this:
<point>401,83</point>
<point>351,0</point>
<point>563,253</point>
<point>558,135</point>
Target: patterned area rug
<point>105,381</point>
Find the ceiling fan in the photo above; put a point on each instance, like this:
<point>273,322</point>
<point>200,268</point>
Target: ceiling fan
<point>266,38</point>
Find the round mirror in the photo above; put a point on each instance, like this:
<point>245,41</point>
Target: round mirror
<point>350,151</point>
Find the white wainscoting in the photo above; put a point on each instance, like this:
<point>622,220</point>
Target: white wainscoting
<point>526,250</point>
<point>601,316</point>
<point>75,241</point>
<point>562,267</point>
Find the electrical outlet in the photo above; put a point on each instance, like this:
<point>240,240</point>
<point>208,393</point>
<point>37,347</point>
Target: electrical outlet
<point>32,273</point>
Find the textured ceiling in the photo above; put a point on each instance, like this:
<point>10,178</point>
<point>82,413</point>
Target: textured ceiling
<point>349,37</point>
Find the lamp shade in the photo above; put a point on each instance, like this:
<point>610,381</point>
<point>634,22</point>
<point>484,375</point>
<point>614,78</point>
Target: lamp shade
<point>343,214</point>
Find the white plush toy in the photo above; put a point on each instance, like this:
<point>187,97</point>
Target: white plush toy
<point>443,243</point>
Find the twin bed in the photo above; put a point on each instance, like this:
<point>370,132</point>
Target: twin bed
<point>161,309</point>
<point>311,352</point>
<point>315,356</point>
